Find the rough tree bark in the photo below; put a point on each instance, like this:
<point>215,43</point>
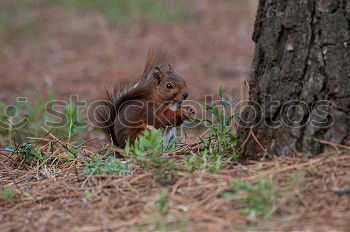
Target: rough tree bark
<point>300,78</point>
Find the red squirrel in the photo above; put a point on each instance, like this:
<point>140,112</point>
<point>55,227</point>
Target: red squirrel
<point>152,101</point>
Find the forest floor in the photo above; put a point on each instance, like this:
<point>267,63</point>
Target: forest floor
<point>81,48</point>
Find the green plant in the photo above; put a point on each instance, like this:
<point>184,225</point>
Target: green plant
<point>7,193</point>
<point>147,150</point>
<point>89,196</point>
<point>205,160</point>
<point>4,126</point>
<point>161,204</point>
<point>258,198</point>
<point>29,153</point>
<point>24,118</point>
<point>27,124</point>
<point>29,119</point>
<point>221,140</point>
<point>73,126</point>
<point>98,166</point>
<point>222,137</point>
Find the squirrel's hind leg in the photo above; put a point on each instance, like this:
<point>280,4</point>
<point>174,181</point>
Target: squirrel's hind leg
<point>138,131</point>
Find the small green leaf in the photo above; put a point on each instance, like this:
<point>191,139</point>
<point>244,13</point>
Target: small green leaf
<point>220,92</point>
<point>10,148</point>
<point>7,193</point>
<point>217,164</point>
<point>88,195</point>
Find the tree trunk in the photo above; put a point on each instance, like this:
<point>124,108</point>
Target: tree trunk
<point>300,82</point>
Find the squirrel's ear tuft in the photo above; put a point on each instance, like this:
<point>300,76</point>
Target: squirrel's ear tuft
<point>170,68</point>
<point>157,74</point>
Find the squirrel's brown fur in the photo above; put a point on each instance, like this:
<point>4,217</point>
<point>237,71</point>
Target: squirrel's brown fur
<point>146,101</point>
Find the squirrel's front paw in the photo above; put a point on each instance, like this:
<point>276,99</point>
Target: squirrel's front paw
<point>187,112</point>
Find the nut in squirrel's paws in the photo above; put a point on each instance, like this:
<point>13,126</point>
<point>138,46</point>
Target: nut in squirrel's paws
<point>188,112</point>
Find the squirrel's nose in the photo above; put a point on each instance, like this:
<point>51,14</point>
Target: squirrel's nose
<point>185,96</point>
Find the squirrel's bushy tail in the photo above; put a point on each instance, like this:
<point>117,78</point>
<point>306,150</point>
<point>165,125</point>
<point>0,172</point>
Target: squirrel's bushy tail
<point>107,115</point>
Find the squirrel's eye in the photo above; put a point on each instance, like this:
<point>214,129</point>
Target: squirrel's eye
<point>169,86</point>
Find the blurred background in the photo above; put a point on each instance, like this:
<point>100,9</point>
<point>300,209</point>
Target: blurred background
<point>84,46</point>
